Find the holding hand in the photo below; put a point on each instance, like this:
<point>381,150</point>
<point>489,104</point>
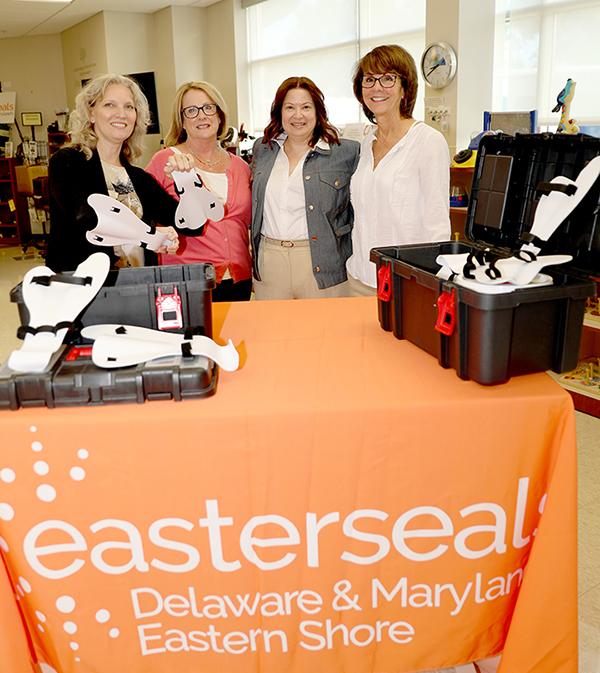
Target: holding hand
<point>179,162</point>
<point>171,243</point>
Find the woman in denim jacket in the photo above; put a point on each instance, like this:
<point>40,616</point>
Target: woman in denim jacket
<point>301,213</point>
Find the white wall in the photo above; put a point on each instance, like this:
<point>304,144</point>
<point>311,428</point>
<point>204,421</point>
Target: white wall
<point>33,67</point>
<point>468,25</point>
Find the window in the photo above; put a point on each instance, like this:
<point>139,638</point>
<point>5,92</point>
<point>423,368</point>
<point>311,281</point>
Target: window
<point>323,41</point>
<point>538,45</point>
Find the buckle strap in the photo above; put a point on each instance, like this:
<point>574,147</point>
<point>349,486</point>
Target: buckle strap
<point>62,278</point>
<point>23,330</point>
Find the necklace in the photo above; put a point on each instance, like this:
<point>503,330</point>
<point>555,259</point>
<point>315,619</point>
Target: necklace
<point>208,162</point>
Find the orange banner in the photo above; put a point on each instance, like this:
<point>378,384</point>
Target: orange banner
<point>341,504</point>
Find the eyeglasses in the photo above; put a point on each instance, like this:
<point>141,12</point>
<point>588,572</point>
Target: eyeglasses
<point>192,111</point>
<point>387,81</point>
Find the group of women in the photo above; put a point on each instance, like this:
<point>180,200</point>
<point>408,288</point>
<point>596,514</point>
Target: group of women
<point>300,222</point>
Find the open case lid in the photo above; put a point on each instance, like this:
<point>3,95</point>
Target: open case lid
<point>505,192</point>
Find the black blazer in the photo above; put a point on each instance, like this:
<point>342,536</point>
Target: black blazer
<point>71,179</point>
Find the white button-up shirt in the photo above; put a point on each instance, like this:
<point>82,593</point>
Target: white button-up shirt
<point>405,199</point>
<point>285,203</point>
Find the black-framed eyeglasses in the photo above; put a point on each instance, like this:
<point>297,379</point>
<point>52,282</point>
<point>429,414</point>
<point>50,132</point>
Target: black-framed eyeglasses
<point>387,81</point>
<point>192,111</point>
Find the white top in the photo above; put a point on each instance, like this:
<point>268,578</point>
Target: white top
<point>284,214</point>
<point>404,200</point>
<point>217,183</point>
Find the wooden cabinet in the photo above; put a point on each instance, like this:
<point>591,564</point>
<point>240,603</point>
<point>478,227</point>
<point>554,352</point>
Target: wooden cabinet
<point>461,179</point>
<point>9,218</point>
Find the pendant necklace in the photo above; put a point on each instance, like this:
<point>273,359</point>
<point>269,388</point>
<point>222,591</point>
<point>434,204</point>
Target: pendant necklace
<point>208,162</point>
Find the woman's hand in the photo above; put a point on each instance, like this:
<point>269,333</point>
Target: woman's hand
<point>172,243</point>
<point>179,162</point>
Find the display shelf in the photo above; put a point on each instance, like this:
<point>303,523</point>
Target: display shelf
<point>461,179</point>
<point>9,217</point>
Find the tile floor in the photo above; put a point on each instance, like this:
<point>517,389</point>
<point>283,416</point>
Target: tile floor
<point>14,263</point>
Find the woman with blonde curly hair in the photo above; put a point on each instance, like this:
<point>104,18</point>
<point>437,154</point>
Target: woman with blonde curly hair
<point>107,129</point>
<point>198,125</point>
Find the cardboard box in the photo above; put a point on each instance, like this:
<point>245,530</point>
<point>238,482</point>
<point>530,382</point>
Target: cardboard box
<point>25,176</point>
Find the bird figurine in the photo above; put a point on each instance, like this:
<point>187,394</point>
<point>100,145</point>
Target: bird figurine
<point>562,96</point>
<point>563,103</point>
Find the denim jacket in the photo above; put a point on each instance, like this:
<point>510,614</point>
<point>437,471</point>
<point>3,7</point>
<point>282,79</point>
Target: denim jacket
<point>329,214</point>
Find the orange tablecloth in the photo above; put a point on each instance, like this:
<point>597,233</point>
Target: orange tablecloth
<point>341,504</point>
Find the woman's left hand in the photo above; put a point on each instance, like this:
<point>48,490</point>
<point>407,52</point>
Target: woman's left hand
<point>170,246</point>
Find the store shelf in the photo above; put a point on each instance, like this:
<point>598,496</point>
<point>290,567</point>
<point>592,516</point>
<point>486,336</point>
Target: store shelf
<point>9,216</point>
<point>461,179</point>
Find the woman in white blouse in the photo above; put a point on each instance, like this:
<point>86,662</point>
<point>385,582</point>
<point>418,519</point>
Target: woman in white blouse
<point>399,191</point>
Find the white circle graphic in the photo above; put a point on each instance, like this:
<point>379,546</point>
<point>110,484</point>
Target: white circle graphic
<point>46,493</point>
<point>83,454</point>
<point>102,616</point>
<point>40,628</point>
<point>77,473</point>
<point>25,584</point>
<point>114,633</point>
<point>65,604</point>
<point>70,627</point>
<point>74,646</point>
<point>32,428</point>
<point>40,615</point>
<point>4,545</point>
<point>41,467</point>
<point>7,475</point>
<point>37,446</point>
<point>6,512</point>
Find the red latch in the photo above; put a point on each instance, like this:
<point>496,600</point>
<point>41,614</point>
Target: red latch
<point>384,282</point>
<point>446,306</point>
<point>76,352</point>
<point>168,310</point>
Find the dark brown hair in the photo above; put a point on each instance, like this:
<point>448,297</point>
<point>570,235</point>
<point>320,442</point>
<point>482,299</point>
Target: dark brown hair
<point>323,129</point>
<point>393,59</point>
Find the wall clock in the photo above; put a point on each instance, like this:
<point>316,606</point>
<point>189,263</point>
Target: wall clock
<point>438,64</point>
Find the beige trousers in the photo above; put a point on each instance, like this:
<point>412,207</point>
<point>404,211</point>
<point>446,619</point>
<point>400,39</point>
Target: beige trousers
<point>358,289</point>
<point>287,273</point>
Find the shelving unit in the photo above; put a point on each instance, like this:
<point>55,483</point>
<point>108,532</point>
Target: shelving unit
<point>461,178</point>
<point>9,217</point>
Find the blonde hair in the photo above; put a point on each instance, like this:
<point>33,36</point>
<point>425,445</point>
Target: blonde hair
<point>177,134</point>
<point>82,132</point>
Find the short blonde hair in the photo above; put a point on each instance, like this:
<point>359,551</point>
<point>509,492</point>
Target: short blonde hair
<point>177,134</point>
<point>80,125</point>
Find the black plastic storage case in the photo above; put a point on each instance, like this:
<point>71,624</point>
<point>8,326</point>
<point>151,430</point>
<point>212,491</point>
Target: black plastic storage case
<point>490,337</point>
<point>129,296</point>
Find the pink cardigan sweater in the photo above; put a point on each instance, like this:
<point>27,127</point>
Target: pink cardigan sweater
<point>223,243</point>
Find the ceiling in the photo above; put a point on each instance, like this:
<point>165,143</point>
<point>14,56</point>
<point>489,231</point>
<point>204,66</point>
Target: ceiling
<point>20,19</point>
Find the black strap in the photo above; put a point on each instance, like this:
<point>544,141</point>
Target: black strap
<point>62,278</point>
<point>526,255</point>
<point>492,271</point>
<point>27,329</point>
<point>121,330</point>
<point>548,187</point>
<point>533,239</point>
<point>186,349</point>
